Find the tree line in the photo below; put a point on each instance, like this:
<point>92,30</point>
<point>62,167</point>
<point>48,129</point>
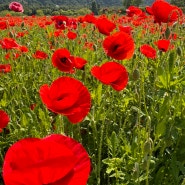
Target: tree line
<point>74,7</point>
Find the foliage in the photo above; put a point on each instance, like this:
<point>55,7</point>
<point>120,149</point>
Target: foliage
<point>127,3</point>
<point>50,7</point>
<point>94,8</point>
<point>180,3</point>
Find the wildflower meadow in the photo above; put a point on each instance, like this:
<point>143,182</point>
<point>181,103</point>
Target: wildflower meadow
<point>93,100</point>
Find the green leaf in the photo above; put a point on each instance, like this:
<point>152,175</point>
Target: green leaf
<point>42,115</point>
<point>163,109</point>
<point>163,117</point>
<point>171,62</point>
<point>159,176</point>
<point>24,121</point>
<point>161,127</point>
<point>3,101</point>
<point>114,143</point>
<point>167,32</point>
<point>162,75</point>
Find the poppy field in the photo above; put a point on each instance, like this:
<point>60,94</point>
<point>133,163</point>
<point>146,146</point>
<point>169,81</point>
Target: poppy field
<point>93,100</point>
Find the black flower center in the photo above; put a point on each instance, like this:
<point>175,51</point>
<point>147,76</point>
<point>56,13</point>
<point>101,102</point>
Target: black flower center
<point>115,47</point>
<point>64,60</point>
<point>59,23</point>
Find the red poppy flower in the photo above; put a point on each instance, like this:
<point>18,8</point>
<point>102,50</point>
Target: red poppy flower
<point>163,44</point>
<point>40,55</point>
<point>104,25</point>
<point>7,56</point>
<point>119,46</point>
<point>53,160</point>
<point>61,22</point>
<point>23,49</point>
<point>173,36</point>
<point>57,33</point>
<point>89,45</point>
<point>71,35</point>
<point>21,34</point>
<point>148,51</point>
<point>4,119</point>
<point>165,12</point>
<point>72,23</point>
<point>15,6</point>
<point>133,10</point>
<point>126,29</point>
<point>9,43</point>
<point>67,96</point>
<point>5,68</point>
<point>111,73</point>
<point>90,18</point>
<point>16,55</point>
<point>32,106</point>
<point>61,60</point>
<point>3,25</point>
<point>79,62</point>
<point>149,10</point>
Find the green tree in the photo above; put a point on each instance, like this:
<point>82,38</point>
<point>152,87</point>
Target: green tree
<point>127,3</point>
<point>39,12</point>
<point>94,7</point>
<point>179,3</point>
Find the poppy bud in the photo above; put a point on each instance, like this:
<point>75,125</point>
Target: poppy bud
<point>179,51</point>
<point>136,170</point>
<point>11,34</point>
<point>136,74</point>
<point>24,90</point>
<point>22,25</point>
<point>148,146</point>
<point>167,33</point>
<point>145,163</point>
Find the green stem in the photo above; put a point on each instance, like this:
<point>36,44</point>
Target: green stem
<point>100,152</point>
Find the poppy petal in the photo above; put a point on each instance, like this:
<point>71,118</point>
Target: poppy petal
<point>4,119</point>
<point>44,94</point>
<point>42,161</point>
<point>81,170</point>
<point>111,73</point>
<point>148,51</point>
<point>79,63</point>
